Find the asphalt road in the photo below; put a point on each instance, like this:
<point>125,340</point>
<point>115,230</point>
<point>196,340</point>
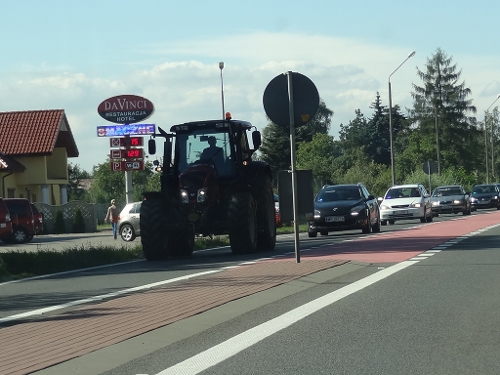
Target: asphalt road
<point>433,313</point>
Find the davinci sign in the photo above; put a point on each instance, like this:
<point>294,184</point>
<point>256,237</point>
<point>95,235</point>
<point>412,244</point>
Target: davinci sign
<point>125,109</point>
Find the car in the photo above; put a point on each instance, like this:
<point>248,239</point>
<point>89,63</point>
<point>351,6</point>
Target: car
<point>277,217</point>
<point>24,230</point>
<point>5,222</point>
<point>342,207</point>
<point>129,221</point>
<point>406,202</point>
<point>38,219</point>
<point>485,196</point>
<point>450,199</point>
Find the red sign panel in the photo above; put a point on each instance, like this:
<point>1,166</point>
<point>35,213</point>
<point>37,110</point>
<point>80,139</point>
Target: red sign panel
<point>126,142</point>
<point>132,153</point>
<point>125,109</point>
<point>117,166</point>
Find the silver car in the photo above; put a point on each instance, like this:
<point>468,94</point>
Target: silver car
<point>129,221</point>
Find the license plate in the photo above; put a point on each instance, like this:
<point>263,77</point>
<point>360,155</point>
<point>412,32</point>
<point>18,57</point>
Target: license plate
<point>330,219</point>
<point>401,212</point>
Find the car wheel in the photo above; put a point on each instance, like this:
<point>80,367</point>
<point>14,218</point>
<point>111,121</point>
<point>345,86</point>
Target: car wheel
<point>392,222</point>
<point>376,227</point>
<point>383,222</point>
<point>312,233</point>
<point>19,235</point>
<point>368,228</point>
<point>429,218</point>
<point>127,232</point>
<point>324,233</point>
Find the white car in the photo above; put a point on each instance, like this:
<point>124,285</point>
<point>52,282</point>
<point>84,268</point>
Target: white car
<point>405,202</point>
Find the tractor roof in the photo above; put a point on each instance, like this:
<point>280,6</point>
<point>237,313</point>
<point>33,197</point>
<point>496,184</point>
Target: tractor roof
<point>209,124</point>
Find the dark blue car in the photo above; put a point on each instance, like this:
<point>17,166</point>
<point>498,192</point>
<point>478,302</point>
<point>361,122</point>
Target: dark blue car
<point>485,196</point>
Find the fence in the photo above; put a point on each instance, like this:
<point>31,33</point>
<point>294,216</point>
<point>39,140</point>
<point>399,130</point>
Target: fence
<point>93,214</point>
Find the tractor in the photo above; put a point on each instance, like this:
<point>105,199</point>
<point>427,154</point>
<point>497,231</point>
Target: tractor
<point>209,186</point>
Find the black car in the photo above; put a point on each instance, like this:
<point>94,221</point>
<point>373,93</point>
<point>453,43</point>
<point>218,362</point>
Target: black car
<point>341,207</point>
<point>485,196</point>
<point>450,199</point>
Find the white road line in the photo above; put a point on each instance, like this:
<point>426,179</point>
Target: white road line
<point>244,340</point>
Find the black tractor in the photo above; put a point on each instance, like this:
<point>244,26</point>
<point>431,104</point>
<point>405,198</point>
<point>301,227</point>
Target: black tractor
<point>209,186</point>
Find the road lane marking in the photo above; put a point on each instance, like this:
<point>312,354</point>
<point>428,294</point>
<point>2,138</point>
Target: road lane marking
<point>244,340</point>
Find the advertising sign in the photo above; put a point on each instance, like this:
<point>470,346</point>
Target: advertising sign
<point>122,130</point>
<point>125,109</point>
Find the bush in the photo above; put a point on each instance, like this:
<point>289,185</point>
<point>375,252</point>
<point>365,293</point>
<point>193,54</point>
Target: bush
<point>78,222</point>
<point>59,226</point>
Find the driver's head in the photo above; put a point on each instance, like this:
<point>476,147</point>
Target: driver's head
<point>212,141</point>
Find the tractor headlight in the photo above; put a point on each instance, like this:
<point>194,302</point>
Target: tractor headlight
<point>184,196</point>
<point>202,196</point>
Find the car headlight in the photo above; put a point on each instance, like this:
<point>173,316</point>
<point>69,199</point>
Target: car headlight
<point>317,214</point>
<point>184,196</point>
<point>473,199</point>
<point>495,197</point>
<point>202,196</point>
<point>416,205</point>
<point>357,210</point>
<point>384,207</point>
<point>435,203</point>
<point>457,201</point>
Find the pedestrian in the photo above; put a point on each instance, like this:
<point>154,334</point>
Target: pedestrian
<point>112,216</point>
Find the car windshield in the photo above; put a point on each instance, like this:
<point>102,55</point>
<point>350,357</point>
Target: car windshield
<point>404,192</point>
<point>447,192</point>
<point>338,194</point>
<point>482,189</point>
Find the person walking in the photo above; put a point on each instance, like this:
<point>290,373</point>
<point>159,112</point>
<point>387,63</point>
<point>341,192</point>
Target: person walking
<point>112,216</point>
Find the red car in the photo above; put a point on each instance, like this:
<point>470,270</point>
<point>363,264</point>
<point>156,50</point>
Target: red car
<point>5,222</point>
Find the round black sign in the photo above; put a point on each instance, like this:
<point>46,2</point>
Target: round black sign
<point>125,109</point>
<point>305,99</point>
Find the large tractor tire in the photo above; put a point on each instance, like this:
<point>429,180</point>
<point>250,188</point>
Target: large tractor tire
<point>242,226</point>
<point>154,237</point>
<point>266,221</point>
<point>182,243</point>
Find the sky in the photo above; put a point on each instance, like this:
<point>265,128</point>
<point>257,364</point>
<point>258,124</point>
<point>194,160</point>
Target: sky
<point>72,55</point>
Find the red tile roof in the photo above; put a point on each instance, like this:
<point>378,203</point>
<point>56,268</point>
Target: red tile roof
<point>35,133</point>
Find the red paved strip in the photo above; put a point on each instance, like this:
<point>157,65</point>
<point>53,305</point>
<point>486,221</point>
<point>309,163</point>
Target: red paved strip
<point>399,246</point>
<point>37,345</point>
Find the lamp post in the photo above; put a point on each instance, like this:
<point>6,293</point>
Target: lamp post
<point>391,146</point>
<point>221,67</point>
<point>486,142</point>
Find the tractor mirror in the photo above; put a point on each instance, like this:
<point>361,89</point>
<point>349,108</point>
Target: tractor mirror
<point>256,139</point>
<point>151,147</point>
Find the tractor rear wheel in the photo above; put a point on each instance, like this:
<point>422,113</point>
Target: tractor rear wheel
<point>242,223</point>
<point>266,220</point>
<point>154,238</point>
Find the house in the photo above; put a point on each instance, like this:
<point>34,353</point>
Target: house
<point>34,151</point>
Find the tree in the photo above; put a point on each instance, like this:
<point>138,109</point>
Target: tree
<point>75,177</point>
<point>275,149</point>
<point>441,110</point>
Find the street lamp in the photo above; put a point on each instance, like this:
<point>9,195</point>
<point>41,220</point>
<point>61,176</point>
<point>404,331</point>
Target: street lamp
<point>221,66</point>
<point>393,171</point>
<point>486,142</point>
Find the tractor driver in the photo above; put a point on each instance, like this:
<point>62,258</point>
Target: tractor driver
<point>213,153</point>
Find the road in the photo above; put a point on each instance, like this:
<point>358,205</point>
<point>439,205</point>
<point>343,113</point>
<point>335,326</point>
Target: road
<point>413,299</point>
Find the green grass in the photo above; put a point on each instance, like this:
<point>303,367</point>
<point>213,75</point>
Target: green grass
<point>19,264</point>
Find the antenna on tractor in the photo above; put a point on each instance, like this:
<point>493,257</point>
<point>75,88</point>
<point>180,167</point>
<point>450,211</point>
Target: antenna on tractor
<point>221,67</point>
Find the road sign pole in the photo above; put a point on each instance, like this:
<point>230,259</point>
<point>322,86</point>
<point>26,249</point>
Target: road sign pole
<point>293,162</point>
<point>129,192</point>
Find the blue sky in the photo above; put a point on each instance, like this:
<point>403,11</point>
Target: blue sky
<point>74,54</point>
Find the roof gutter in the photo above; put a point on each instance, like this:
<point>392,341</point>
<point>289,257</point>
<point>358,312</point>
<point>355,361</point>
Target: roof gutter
<point>3,182</point>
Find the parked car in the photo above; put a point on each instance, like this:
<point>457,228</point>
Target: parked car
<point>450,199</point>
<point>5,222</point>
<point>129,221</point>
<point>485,196</point>
<point>406,202</point>
<point>38,219</point>
<point>341,207</point>
<point>24,229</point>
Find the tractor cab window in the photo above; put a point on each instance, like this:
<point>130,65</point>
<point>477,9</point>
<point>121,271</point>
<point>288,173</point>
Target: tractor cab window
<point>204,147</point>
